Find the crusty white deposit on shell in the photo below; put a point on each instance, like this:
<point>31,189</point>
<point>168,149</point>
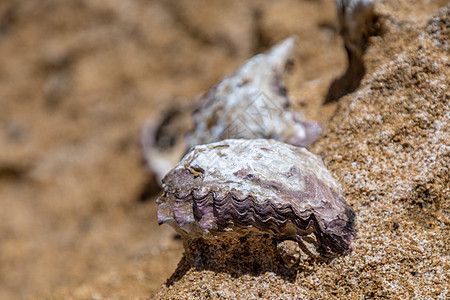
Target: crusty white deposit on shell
<point>252,103</point>
<point>269,160</point>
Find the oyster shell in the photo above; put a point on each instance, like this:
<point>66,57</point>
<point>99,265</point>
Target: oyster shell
<point>163,138</point>
<point>252,103</point>
<point>249,104</point>
<point>356,19</point>
<point>357,22</point>
<point>236,186</point>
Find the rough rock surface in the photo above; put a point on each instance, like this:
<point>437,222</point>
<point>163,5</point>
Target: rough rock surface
<point>78,78</point>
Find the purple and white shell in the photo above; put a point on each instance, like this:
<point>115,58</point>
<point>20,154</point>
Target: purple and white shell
<point>259,185</point>
<point>252,103</point>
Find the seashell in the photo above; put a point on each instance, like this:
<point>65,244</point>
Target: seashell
<point>163,138</point>
<point>356,19</point>
<point>252,103</point>
<point>357,22</point>
<point>262,185</point>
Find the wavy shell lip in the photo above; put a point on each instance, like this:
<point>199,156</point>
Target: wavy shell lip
<point>262,185</point>
<point>251,103</point>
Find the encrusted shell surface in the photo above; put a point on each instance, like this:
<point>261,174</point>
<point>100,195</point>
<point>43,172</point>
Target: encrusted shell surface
<point>251,103</point>
<point>263,185</point>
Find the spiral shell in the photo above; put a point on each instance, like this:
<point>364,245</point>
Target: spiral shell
<point>264,185</point>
